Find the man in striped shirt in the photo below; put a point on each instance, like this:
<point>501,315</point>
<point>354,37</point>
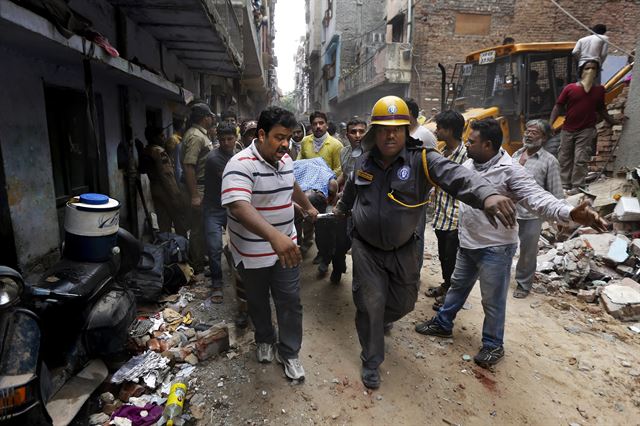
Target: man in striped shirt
<point>258,190</point>
<point>449,127</point>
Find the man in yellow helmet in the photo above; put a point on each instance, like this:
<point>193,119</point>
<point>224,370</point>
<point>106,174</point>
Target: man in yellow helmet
<point>384,195</point>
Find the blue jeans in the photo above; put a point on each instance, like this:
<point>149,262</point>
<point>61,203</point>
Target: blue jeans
<point>492,265</point>
<point>214,221</point>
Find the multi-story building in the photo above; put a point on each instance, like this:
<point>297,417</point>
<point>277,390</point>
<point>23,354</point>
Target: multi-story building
<point>70,111</point>
<point>341,36</point>
<point>301,89</point>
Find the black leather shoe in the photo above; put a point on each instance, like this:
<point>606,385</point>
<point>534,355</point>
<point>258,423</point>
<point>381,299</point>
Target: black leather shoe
<point>335,277</point>
<point>371,378</point>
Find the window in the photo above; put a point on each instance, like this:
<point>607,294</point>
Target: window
<point>397,28</point>
<point>472,24</point>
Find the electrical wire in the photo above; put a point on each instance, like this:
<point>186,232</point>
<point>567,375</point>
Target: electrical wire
<point>590,30</point>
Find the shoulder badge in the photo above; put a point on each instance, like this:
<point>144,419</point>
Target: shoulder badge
<point>364,175</point>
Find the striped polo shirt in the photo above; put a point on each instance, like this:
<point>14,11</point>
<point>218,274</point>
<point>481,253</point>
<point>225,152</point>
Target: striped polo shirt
<point>248,177</point>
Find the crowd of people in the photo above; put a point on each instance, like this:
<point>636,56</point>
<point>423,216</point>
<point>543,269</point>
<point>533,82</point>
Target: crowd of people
<point>267,180</point>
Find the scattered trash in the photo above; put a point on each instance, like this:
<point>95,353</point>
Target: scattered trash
<point>175,403</point>
<point>466,357</point>
<point>139,366</point>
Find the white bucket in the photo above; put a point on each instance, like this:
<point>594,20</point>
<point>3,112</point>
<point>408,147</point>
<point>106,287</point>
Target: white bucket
<point>88,219</point>
<point>91,223</point>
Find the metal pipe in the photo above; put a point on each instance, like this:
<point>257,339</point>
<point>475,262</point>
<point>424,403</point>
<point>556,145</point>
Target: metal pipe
<point>443,84</point>
<point>409,19</point>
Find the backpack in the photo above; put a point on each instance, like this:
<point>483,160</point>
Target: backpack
<point>176,247</point>
<point>146,281</point>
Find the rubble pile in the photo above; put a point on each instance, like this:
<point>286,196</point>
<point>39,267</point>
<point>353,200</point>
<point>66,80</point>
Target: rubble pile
<point>166,345</point>
<point>599,268</point>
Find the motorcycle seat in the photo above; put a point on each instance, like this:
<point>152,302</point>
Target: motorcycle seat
<point>78,278</point>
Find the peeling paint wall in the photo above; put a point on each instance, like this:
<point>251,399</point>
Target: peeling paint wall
<point>27,158</point>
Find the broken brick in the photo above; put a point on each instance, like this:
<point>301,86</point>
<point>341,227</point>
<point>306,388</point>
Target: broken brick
<point>211,342</point>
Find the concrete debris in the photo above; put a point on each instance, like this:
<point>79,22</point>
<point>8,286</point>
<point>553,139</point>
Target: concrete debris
<point>627,209</point>
<point>627,292</point>
<point>588,296</point>
<point>622,300</point>
<point>618,250</point>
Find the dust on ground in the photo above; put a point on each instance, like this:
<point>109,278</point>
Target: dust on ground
<point>563,366</point>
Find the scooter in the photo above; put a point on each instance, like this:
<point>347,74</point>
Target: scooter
<point>57,334</point>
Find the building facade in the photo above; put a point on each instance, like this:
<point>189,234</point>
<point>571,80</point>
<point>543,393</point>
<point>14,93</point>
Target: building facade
<point>341,35</point>
<point>71,111</point>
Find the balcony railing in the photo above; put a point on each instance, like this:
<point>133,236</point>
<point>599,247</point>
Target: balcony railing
<point>390,64</point>
<point>230,24</point>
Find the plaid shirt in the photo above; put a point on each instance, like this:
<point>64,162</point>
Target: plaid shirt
<point>544,168</point>
<point>446,214</point>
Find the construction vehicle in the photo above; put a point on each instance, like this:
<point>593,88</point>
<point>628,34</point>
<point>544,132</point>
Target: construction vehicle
<point>515,83</point>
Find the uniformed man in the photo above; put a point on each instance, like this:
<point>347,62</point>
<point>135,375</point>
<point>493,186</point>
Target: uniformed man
<point>384,195</point>
<point>166,195</point>
<point>196,145</point>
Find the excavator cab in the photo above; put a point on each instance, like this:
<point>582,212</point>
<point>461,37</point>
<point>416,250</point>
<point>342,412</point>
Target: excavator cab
<point>512,83</point>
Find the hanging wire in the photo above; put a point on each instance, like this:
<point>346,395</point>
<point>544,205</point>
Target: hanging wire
<point>590,30</point>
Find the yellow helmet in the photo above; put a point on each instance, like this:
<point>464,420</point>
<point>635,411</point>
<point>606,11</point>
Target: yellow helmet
<point>390,111</point>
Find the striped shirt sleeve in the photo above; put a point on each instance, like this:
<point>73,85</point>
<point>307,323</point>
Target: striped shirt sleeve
<point>237,181</point>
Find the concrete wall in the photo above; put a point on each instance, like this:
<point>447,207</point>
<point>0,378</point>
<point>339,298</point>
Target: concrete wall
<point>27,156</point>
<point>525,20</point>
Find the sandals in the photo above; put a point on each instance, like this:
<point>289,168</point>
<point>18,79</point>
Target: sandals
<point>435,291</point>
<point>520,293</point>
<point>217,296</point>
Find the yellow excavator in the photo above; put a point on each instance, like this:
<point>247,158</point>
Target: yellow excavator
<point>515,83</point>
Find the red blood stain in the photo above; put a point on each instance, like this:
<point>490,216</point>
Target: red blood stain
<point>487,382</point>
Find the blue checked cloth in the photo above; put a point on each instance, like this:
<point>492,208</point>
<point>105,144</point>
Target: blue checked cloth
<point>313,174</point>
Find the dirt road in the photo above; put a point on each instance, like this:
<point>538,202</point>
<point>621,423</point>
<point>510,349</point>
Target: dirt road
<point>563,366</point>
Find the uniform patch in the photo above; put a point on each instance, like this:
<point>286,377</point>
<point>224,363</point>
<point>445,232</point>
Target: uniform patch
<point>392,109</point>
<point>364,175</point>
<point>404,173</point>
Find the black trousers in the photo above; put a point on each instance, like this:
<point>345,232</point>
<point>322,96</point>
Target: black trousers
<point>333,242</point>
<point>447,251</point>
<point>385,289</point>
<point>284,286</point>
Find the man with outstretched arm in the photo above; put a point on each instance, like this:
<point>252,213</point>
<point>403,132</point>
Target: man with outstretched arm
<point>384,194</point>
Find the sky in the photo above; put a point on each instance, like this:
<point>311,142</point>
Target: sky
<point>290,26</point>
